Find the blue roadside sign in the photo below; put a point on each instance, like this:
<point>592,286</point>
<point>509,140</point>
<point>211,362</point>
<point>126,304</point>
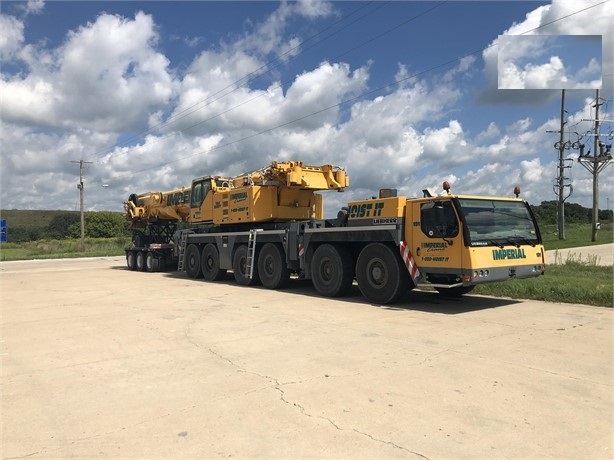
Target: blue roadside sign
<point>2,230</point>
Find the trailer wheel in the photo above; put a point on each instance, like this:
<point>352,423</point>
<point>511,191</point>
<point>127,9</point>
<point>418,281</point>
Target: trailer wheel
<point>239,268</point>
<point>332,271</point>
<point>192,261</point>
<point>140,261</point>
<point>455,292</point>
<point>272,268</point>
<point>210,263</point>
<point>131,260</point>
<point>382,277</point>
<point>152,263</point>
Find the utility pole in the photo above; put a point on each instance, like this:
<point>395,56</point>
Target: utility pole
<point>80,187</point>
<point>561,207</point>
<point>559,185</point>
<point>595,171</point>
<point>602,157</point>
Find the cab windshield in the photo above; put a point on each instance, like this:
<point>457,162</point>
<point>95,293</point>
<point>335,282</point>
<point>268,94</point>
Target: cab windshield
<point>498,222</point>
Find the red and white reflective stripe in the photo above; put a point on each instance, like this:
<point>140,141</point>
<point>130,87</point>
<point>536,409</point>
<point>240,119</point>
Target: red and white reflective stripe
<point>410,263</point>
<point>301,250</point>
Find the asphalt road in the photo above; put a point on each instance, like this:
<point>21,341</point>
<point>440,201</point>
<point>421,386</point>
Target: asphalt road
<point>100,362</point>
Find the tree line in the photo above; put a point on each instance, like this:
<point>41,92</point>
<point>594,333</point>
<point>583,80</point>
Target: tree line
<point>107,224</point>
<point>65,225</point>
<point>547,212</point>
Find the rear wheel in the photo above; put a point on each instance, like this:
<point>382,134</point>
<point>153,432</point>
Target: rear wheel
<point>272,267</point>
<point>140,261</point>
<point>152,264</point>
<point>382,277</point>
<point>239,268</point>
<point>192,261</point>
<point>131,260</point>
<point>210,263</point>
<point>332,270</point>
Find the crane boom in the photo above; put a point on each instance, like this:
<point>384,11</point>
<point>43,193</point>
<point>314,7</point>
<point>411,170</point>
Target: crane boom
<point>296,175</point>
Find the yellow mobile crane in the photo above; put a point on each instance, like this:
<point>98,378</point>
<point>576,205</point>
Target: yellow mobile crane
<point>268,224</point>
<point>280,192</point>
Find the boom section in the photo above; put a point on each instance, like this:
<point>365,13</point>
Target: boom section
<point>158,206</point>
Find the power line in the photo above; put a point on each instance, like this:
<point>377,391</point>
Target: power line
<point>246,78</point>
<point>352,99</point>
<point>186,112</point>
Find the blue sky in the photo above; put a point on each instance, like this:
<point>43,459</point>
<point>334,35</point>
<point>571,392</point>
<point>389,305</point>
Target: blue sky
<point>403,94</point>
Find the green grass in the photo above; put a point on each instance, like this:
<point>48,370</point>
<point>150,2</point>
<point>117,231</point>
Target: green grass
<point>58,249</point>
<point>576,235</point>
<point>570,282</point>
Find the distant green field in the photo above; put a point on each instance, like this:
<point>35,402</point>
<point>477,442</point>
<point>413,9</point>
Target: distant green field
<point>31,218</point>
<point>576,235</point>
<point>62,249</point>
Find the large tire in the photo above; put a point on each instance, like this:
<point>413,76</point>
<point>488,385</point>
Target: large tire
<point>272,269</point>
<point>151,263</point>
<point>210,264</point>
<point>131,260</point>
<point>140,261</point>
<point>332,270</point>
<point>456,291</point>
<point>381,275</point>
<point>192,261</point>
<point>239,268</point>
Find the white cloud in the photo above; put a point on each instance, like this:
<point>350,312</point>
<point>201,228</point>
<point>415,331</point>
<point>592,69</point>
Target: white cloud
<point>445,143</point>
<point>35,6</point>
<point>492,131</point>
<point>268,37</point>
<point>109,77</point>
<point>11,36</point>
<point>550,75</point>
<point>562,17</point>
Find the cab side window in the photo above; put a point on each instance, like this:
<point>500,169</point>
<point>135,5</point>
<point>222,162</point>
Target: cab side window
<point>438,219</point>
<point>199,192</point>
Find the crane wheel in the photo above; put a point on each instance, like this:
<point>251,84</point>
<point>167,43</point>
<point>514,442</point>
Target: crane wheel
<point>239,268</point>
<point>192,261</point>
<point>131,260</point>
<point>332,270</point>
<point>140,261</point>
<point>381,275</point>
<point>152,263</point>
<point>272,268</point>
<point>210,264</point>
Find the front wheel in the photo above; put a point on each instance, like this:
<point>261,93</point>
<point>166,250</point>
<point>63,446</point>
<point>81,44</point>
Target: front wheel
<point>210,264</point>
<point>381,275</point>
<point>272,268</point>
<point>332,271</point>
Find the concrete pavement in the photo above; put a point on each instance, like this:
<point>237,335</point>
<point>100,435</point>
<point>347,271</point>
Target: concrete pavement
<point>600,254</point>
<point>101,362</point>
